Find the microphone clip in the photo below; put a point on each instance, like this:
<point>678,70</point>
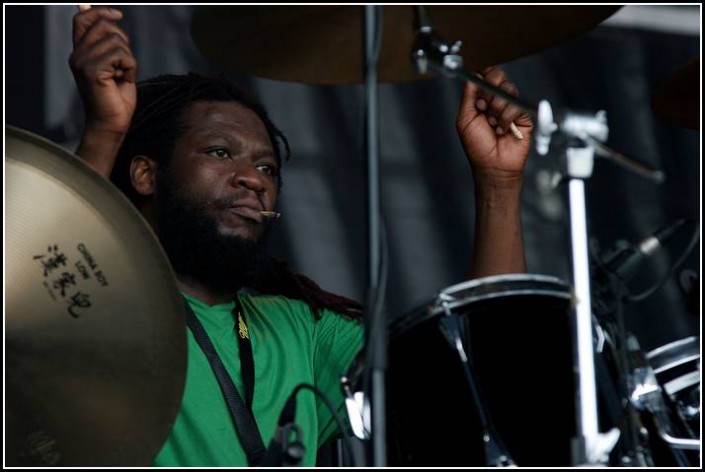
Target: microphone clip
<point>292,447</point>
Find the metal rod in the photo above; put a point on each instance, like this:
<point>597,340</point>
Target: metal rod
<point>586,408</point>
<point>376,332</point>
<point>628,163</point>
<point>528,107</point>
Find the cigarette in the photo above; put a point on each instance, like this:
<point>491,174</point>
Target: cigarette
<point>515,131</point>
<point>270,214</point>
<point>83,8</point>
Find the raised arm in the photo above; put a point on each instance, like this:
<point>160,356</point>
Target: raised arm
<point>105,72</point>
<point>497,157</point>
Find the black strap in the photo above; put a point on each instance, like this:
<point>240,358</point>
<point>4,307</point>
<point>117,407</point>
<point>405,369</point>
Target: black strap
<point>245,424</point>
<point>247,360</point>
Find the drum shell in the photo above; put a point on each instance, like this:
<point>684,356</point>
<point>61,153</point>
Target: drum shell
<point>676,366</point>
<point>517,332</point>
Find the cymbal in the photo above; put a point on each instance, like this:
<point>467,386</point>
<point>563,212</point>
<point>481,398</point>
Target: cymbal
<point>677,99</point>
<point>325,44</point>
<point>95,339</point>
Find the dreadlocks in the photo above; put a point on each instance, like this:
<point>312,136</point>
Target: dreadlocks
<point>280,280</point>
<point>156,125</point>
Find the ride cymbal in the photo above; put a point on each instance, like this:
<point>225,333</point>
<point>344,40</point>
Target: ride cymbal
<point>325,44</point>
<point>95,340</point>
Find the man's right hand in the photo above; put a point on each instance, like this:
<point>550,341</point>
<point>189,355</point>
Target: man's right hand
<point>105,71</point>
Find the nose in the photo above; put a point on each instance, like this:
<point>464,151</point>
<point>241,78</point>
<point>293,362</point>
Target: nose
<point>249,178</point>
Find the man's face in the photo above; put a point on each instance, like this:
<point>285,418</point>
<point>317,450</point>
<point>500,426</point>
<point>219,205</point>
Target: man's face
<point>222,173</point>
<point>225,165</point>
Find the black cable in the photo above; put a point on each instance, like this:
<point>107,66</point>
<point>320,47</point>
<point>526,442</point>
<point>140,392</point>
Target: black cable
<point>597,258</point>
<point>601,307</point>
<point>667,276</point>
<point>346,438</point>
<point>626,367</point>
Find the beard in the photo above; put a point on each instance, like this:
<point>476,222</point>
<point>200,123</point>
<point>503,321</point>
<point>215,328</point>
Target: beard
<point>197,249</point>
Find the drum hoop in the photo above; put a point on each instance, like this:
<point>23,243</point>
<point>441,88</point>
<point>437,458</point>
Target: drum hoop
<point>674,354</point>
<point>552,286</point>
<point>681,383</point>
<point>673,345</point>
<point>676,363</point>
<point>443,306</point>
<point>505,277</point>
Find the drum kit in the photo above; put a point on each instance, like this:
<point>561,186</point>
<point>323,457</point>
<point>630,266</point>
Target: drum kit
<point>95,378</point>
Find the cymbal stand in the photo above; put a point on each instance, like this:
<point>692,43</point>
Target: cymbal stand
<point>587,134</point>
<point>589,445</point>
<point>376,328</point>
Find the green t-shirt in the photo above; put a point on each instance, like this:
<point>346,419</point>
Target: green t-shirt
<point>290,347</point>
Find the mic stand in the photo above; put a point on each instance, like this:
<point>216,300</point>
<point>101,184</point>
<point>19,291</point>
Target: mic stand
<point>430,52</point>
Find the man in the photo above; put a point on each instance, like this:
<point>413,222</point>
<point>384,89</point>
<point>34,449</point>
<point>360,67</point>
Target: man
<point>201,161</point>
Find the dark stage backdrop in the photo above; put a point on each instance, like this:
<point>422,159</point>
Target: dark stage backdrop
<point>427,189</point>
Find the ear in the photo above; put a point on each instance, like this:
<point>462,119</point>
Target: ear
<point>143,174</point>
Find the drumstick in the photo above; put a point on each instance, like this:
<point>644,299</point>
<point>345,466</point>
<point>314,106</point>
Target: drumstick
<point>513,128</point>
<point>515,131</point>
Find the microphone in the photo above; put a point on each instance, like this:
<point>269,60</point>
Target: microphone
<point>283,451</point>
<point>626,259</point>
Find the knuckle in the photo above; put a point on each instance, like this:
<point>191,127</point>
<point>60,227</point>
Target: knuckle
<point>116,39</point>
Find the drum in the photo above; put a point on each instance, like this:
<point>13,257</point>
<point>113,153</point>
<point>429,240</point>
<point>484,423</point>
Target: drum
<point>491,355</point>
<point>677,369</point>
<point>673,419</point>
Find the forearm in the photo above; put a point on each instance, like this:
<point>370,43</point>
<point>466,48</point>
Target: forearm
<point>499,243</point>
<point>99,149</point>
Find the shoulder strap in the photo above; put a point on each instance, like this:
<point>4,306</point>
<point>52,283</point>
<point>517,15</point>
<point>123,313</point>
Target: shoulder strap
<point>245,424</point>
<point>247,359</point>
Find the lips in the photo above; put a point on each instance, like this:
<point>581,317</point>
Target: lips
<point>248,212</point>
